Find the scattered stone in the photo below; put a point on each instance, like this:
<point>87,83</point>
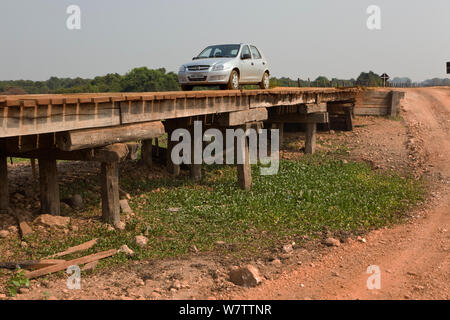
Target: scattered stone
<point>24,245</point>
<point>13,229</point>
<point>302,285</point>
<point>120,225</point>
<point>141,241</point>
<point>156,294</point>
<point>409,273</point>
<point>2,296</point>
<point>221,243</point>
<point>334,274</point>
<point>288,248</point>
<point>174,209</point>
<point>331,242</point>
<point>90,266</point>
<point>360,239</point>
<point>4,234</point>
<point>126,250</point>
<point>24,290</point>
<point>77,201</point>
<point>246,276</point>
<point>194,249</point>
<point>125,207</point>
<point>176,285</point>
<point>276,262</point>
<point>50,221</point>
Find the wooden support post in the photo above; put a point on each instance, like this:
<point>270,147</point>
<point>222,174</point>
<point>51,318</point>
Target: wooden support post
<point>395,103</point>
<point>244,170</point>
<point>195,169</point>
<point>49,188</point>
<point>146,152</point>
<point>4,192</point>
<point>110,193</point>
<point>348,119</point>
<point>310,142</point>
<point>280,127</point>
<point>171,167</point>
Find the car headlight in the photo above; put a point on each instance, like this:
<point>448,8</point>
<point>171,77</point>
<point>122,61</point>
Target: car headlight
<point>218,67</point>
<point>182,69</point>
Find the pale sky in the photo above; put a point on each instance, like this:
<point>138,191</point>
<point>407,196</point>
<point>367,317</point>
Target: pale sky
<point>300,38</point>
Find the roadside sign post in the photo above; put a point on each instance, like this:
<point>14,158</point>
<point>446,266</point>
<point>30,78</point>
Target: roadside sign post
<point>385,78</point>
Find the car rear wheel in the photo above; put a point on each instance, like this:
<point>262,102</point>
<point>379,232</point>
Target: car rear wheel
<point>233,83</point>
<point>265,82</point>
<point>186,88</point>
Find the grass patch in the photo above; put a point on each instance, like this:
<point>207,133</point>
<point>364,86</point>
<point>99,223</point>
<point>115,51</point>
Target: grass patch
<point>303,198</point>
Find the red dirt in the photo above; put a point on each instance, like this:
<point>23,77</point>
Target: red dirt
<point>413,258</point>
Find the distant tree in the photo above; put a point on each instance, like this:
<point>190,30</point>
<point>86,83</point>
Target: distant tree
<point>14,91</point>
<point>370,79</point>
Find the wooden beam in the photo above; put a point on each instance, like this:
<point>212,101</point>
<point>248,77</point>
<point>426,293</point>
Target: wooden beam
<point>395,103</point>
<point>81,247</point>
<point>98,137</point>
<point>244,170</point>
<point>195,169</point>
<point>146,152</point>
<point>4,191</point>
<point>49,187</point>
<point>110,193</point>
<point>242,117</point>
<point>112,153</point>
<point>310,142</point>
<point>64,265</point>
<point>299,118</point>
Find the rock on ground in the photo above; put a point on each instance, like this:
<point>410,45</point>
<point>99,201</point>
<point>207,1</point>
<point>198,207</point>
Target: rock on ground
<point>141,241</point>
<point>331,242</point>
<point>247,276</point>
<point>51,221</point>
<point>125,249</point>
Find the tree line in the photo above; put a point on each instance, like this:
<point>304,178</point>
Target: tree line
<point>144,79</point>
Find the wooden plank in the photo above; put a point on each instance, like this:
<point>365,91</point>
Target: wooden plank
<point>25,229</point>
<point>110,193</point>
<point>112,153</point>
<point>395,103</point>
<point>78,248</point>
<point>299,118</point>
<point>92,138</point>
<point>362,111</point>
<point>65,265</point>
<point>241,117</point>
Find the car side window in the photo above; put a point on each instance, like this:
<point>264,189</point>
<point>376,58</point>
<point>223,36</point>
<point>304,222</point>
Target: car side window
<point>255,52</point>
<point>245,50</point>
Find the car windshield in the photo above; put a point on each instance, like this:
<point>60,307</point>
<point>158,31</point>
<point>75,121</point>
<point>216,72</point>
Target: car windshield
<point>220,51</point>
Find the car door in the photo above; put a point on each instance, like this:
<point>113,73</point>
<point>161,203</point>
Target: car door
<point>246,67</point>
<point>259,64</point>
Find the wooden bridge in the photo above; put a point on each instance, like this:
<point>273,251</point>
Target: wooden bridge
<point>105,127</point>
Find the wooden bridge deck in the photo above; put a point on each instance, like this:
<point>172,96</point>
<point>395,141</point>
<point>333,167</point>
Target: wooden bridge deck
<point>38,114</point>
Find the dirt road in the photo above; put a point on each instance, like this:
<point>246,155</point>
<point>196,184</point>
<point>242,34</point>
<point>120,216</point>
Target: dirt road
<point>414,258</point>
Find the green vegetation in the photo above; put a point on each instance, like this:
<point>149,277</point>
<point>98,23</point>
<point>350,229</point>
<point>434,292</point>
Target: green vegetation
<point>16,282</point>
<point>307,195</point>
<point>148,80</point>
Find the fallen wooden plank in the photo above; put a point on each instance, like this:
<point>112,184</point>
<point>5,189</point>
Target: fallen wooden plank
<point>25,229</point>
<point>81,247</point>
<point>65,265</point>
<point>30,264</point>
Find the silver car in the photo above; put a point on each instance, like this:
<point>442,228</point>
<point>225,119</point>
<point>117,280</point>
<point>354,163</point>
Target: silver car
<point>226,65</point>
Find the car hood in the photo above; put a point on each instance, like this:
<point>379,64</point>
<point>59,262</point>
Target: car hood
<point>208,61</point>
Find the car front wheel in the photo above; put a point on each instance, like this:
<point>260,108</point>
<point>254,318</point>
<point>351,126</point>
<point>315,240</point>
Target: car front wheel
<point>233,83</point>
<point>265,82</point>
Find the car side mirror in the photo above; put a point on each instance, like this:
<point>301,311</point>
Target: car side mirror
<point>246,56</point>
<point>194,58</point>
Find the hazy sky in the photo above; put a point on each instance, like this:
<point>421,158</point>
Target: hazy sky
<point>300,38</point>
